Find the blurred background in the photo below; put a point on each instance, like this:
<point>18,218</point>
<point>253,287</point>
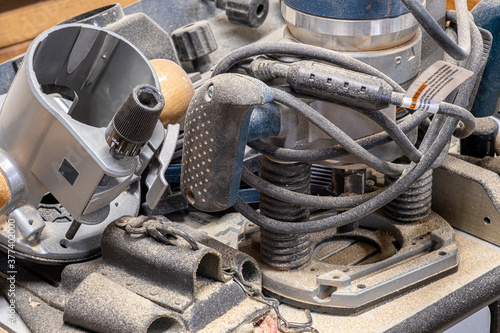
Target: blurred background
<point>22,20</point>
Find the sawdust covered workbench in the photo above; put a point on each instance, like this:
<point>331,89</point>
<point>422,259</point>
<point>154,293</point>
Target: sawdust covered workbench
<point>434,307</point>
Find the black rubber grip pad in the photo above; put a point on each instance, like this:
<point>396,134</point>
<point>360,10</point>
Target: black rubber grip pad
<point>215,135</point>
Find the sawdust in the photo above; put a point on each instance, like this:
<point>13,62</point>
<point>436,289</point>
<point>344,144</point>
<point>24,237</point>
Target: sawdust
<point>33,304</point>
<point>205,288</point>
<point>232,317</point>
<point>486,178</point>
<point>477,258</point>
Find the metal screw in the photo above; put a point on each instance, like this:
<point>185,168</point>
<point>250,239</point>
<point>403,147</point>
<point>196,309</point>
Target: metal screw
<point>129,282</point>
<point>211,91</point>
<point>154,292</point>
<point>32,240</point>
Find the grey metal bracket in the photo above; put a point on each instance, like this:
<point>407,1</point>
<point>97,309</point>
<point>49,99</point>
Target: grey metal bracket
<point>468,197</point>
<point>409,254</point>
<point>155,180</point>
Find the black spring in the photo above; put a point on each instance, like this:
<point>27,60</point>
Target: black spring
<point>415,203</point>
<point>284,251</point>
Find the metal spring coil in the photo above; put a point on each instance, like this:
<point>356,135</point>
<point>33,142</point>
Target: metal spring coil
<point>285,251</point>
<point>415,203</point>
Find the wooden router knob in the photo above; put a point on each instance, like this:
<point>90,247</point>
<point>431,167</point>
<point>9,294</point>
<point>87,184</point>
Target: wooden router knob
<point>176,88</point>
<point>4,192</point>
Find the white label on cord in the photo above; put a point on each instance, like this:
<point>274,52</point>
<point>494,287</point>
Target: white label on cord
<point>433,85</point>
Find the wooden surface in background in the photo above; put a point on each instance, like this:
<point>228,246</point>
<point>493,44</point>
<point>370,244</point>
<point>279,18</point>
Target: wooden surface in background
<point>450,4</point>
<point>23,20</point>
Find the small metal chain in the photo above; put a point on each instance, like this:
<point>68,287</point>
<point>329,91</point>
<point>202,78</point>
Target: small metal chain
<point>283,325</point>
<point>155,227</point>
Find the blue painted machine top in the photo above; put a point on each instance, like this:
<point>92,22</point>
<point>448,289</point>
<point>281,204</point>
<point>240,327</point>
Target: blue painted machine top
<point>350,9</point>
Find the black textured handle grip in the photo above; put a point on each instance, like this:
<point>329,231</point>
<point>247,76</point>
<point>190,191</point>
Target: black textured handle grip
<point>215,135</point>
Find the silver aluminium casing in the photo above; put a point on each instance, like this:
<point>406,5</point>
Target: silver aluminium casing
<point>73,79</point>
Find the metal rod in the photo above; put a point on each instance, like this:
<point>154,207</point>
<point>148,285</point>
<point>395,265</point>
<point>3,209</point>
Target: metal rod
<point>73,228</point>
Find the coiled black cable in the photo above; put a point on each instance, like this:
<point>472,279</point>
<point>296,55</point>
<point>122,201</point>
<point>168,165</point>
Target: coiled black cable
<point>300,50</point>
<point>369,142</point>
<point>458,51</point>
<point>334,132</point>
<point>437,139</point>
<point>336,58</point>
<point>354,214</point>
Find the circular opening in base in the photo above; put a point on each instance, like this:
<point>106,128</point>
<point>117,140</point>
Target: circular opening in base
<point>164,324</point>
<point>249,271</point>
<point>190,197</point>
<point>347,252</point>
<point>260,10</point>
<point>64,243</point>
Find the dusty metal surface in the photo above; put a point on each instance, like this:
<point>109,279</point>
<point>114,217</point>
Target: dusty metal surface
<point>468,197</point>
<point>352,271</point>
<point>141,285</point>
<point>181,285</point>
<point>417,311</point>
<point>102,305</point>
<point>429,308</point>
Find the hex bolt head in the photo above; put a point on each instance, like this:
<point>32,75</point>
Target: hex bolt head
<point>251,13</point>
<point>194,41</point>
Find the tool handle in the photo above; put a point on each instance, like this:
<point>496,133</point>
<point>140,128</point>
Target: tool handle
<point>215,135</point>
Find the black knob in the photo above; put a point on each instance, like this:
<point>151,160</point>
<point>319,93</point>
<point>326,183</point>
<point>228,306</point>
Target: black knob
<point>194,42</point>
<point>251,13</point>
<point>481,143</point>
<point>134,123</point>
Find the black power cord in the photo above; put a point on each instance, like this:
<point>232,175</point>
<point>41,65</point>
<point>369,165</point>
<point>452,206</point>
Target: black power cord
<point>429,154</point>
